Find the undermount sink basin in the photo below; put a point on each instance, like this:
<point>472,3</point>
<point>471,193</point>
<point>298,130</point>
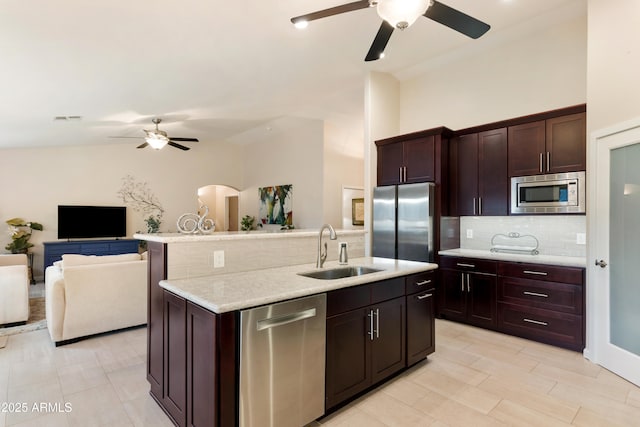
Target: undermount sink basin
<point>339,272</point>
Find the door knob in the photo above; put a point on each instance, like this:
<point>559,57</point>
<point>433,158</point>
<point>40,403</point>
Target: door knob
<point>602,263</point>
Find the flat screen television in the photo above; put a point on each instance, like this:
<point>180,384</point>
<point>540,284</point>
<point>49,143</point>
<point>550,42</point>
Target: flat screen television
<point>84,222</point>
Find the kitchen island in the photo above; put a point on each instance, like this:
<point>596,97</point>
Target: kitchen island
<point>193,329</point>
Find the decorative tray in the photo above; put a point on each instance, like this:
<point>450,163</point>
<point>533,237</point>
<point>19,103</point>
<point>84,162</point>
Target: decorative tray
<point>515,243</point>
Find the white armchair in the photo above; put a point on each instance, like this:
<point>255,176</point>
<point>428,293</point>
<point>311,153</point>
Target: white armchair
<point>14,289</point>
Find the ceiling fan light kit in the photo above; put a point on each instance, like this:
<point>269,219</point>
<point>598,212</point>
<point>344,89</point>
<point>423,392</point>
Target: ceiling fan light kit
<point>401,14</point>
<point>157,138</point>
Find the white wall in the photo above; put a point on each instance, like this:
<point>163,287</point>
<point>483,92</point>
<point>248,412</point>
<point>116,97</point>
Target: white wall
<point>614,60</point>
<point>536,72</point>
<point>34,181</point>
<point>293,157</point>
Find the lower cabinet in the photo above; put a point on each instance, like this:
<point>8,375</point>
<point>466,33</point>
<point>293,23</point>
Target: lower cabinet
<point>421,327</point>
<point>469,291</point>
<point>365,345</point>
<point>535,301</point>
<point>194,374</point>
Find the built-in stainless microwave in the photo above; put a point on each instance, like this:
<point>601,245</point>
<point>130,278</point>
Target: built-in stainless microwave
<point>548,194</point>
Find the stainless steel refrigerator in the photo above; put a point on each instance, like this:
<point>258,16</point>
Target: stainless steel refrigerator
<point>403,221</point>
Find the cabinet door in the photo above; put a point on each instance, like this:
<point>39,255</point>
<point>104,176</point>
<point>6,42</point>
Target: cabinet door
<point>174,395</point>
<point>201,367</point>
<point>157,270</point>
<point>453,295</point>
<point>390,162</point>
<point>527,149</point>
<point>388,345</point>
<point>567,143</point>
<point>420,326</point>
<point>419,160</point>
<point>493,180</point>
<point>481,299</point>
<point>348,361</point>
<point>467,174</point>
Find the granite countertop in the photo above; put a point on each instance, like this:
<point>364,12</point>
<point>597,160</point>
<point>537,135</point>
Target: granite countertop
<point>237,235</point>
<point>237,291</point>
<point>567,261</point>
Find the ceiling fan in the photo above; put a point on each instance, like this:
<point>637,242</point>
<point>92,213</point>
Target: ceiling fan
<point>157,138</point>
<point>401,14</point>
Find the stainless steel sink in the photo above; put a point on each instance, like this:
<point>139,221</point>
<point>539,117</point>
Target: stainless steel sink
<point>339,273</point>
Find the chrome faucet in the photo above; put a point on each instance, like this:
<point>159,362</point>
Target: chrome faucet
<point>322,256</point>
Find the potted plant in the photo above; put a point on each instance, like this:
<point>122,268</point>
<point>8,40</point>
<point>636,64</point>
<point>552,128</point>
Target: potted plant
<point>20,231</point>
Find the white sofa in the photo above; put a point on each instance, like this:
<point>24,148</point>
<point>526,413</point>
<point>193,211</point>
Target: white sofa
<point>87,295</point>
<point>14,289</point>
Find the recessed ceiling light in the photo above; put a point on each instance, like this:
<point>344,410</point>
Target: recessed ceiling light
<point>301,24</point>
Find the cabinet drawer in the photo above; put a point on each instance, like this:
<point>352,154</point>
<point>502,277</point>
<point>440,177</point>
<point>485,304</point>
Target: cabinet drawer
<point>387,289</point>
<point>540,294</point>
<point>551,327</point>
<point>469,264</point>
<point>549,273</point>
<point>420,282</point>
<point>347,299</point>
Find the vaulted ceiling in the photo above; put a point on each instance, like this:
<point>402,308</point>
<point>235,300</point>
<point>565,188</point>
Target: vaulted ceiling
<point>211,69</point>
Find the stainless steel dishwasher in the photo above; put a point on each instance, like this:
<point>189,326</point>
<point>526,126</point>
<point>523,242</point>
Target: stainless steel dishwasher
<point>282,363</point>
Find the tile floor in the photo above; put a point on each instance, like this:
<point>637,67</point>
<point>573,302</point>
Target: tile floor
<point>475,378</point>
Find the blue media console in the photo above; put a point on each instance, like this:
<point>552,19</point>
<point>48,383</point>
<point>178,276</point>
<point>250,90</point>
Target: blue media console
<point>53,251</point>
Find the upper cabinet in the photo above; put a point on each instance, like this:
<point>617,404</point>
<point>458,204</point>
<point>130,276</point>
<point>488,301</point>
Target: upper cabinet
<point>405,162</point>
<point>479,166</point>
<point>554,145</point>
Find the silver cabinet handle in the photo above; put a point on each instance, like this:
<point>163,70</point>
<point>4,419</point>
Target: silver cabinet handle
<point>400,174</point>
<point>479,205</point>
<point>541,160</point>
<point>377,323</point>
<point>537,273</point>
<point>426,295</point>
<point>405,174</point>
<point>536,294</point>
<point>474,206</point>
<point>548,160</point>
<point>274,322</point>
<point>468,284</point>
<point>536,322</point>
<point>461,264</point>
<point>370,333</point>
<point>424,282</point>
<point>462,282</point>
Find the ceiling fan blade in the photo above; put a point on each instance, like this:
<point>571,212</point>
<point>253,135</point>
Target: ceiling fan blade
<point>379,42</point>
<point>142,145</point>
<point>456,20</point>
<point>176,145</point>
<point>184,139</point>
<point>349,7</point>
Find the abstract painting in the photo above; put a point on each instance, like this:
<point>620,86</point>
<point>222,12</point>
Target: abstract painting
<point>276,205</point>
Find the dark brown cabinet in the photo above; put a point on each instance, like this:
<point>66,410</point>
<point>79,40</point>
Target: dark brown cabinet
<point>365,337</point>
<point>468,291</point>
<point>406,162</point>
<point>543,303</point>
<point>481,181</point>
<point>174,395</point>
<point>554,145</point>
<point>421,339</point>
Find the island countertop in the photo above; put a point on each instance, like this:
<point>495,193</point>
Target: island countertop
<point>237,291</point>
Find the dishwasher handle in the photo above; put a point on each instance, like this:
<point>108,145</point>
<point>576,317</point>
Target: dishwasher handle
<point>274,322</point>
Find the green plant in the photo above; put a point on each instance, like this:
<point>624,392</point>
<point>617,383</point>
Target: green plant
<point>248,223</point>
<point>20,231</point>
<point>153,223</point>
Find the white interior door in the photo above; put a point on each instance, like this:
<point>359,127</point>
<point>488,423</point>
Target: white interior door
<point>614,266</point>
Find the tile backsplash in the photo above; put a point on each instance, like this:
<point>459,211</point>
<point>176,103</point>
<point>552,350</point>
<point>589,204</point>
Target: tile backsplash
<point>557,234</point>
